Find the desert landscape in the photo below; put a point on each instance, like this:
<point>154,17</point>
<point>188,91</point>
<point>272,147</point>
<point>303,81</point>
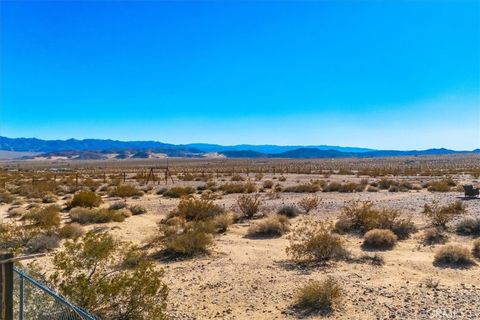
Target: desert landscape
<point>377,238</point>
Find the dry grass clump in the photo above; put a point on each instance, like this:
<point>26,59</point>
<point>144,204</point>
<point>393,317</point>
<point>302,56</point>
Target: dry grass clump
<point>361,217</point>
<point>125,191</point>
<point>71,231</point>
<point>237,177</point>
<point>271,226</point>
<point>137,210</point>
<point>453,256</point>
<point>303,188</point>
<point>382,239</point>
<point>476,249</point>
<point>433,236</point>
<point>88,199</point>
<point>441,186</point>
<point>288,211</point>
<point>319,296</point>
<point>439,216</point>
<point>222,222</point>
<point>178,192</point>
<point>6,197</point>
<point>87,216</point>
<point>186,239</point>
<point>309,203</point>
<point>45,218</point>
<point>196,209</point>
<point>249,204</point>
<point>469,226</point>
<point>314,241</point>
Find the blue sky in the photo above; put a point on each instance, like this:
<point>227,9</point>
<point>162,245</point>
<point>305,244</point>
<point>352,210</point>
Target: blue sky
<point>389,75</point>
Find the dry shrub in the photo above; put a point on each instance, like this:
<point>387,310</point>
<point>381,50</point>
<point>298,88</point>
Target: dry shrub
<point>137,209</point>
<point>178,192</point>
<point>289,211</point>
<point>476,249</point>
<point>258,176</point>
<point>469,226</point>
<point>393,189</point>
<point>438,186</point>
<point>125,191</point>
<point>271,226</point>
<point>282,178</point>
<point>118,205</point>
<point>249,204</point>
<point>372,189</point>
<point>71,231</point>
<point>49,198</point>
<point>361,217</point>
<point>332,187</point>
<point>441,215</point>
<point>186,239</point>
<point>44,218</point>
<point>237,177</point>
<point>6,197</point>
<point>36,190</point>
<point>453,256</point>
<point>86,216</point>
<point>385,184</point>
<point>435,236</point>
<point>88,199</point>
<point>250,187</point>
<point>303,188</point>
<point>319,296</point>
<point>229,188</point>
<point>267,184</point>
<point>222,222</point>
<point>314,241</point>
<point>379,239</point>
<point>196,209</point>
<point>309,203</point>
<point>351,187</point>
<point>42,243</point>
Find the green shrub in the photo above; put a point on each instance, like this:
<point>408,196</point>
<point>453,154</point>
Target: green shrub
<point>249,204</point>
<point>313,241</point>
<point>187,238</point>
<point>453,256</point>
<point>319,296</point>
<point>439,216</point>
<point>86,216</point>
<point>87,273</point>
<point>45,218</point>
<point>229,188</point>
<point>85,198</point>
<point>178,192</point>
<point>272,226</point>
<point>379,239</point>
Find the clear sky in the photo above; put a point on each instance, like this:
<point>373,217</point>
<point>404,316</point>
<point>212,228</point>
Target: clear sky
<point>379,74</point>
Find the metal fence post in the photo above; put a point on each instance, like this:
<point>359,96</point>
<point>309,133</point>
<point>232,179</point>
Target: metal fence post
<point>22,300</point>
<point>6,286</point>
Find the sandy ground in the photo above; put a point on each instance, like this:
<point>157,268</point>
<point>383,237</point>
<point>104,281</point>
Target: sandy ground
<point>253,279</point>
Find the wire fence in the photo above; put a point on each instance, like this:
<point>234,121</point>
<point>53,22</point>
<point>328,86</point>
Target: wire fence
<point>33,300</point>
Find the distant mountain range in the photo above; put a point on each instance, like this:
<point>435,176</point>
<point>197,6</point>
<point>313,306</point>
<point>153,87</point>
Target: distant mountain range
<point>97,149</point>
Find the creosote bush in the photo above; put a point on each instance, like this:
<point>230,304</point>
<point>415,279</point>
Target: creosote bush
<point>361,217</point>
<point>222,222</point>
<point>309,203</point>
<point>319,296</point>
<point>6,197</point>
<point>249,204</point>
<point>288,211</point>
<point>469,226</point>
<point>439,216</point>
<point>303,188</point>
<point>90,272</point>
<point>314,241</point>
<point>137,210</point>
<point>453,256</point>
<point>271,226</point>
<point>435,236</point>
<point>267,184</point>
<point>42,243</point>
<point>382,239</point>
<point>71,231</point>
<point>44,218</point>
<point>196,209</point>
<point>85,198</point>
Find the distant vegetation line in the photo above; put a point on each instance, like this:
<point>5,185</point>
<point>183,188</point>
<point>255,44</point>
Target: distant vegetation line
<point>101,149</point>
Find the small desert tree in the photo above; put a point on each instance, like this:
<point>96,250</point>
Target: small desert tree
<point>91,272</point>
